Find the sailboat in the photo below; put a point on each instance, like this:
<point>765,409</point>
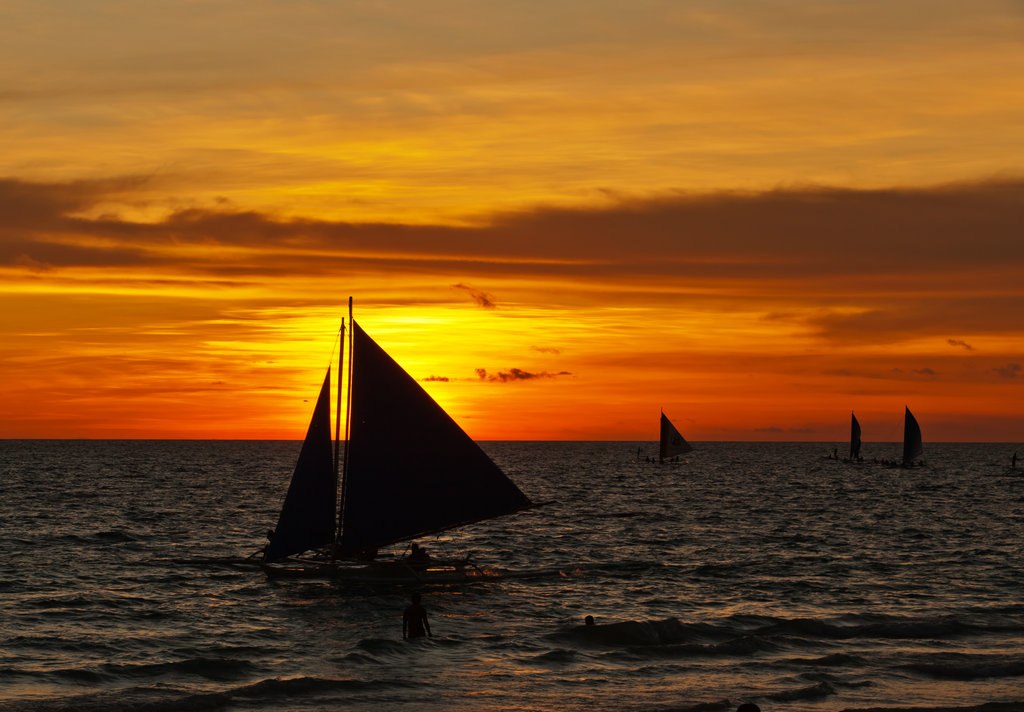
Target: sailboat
<point>912,447</point>
<point>854,438</point>
<point>672,443</point>
<point>407,470</point>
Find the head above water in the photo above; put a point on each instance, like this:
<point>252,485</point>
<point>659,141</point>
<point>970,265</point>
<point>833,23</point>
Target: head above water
<point>589,620</point>
<point>748,707</point>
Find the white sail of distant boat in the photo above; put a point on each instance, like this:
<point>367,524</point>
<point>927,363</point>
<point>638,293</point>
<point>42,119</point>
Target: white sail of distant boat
<point>672,443</point>
<point>408,470</point>
<point>912,447</point>
<point>854,437</point>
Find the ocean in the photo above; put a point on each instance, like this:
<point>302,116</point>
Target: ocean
<point>748,572</point>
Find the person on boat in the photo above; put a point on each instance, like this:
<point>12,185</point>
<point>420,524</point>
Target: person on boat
<point>270,538</point>
<point>418,555</point>
<point>414,620</point>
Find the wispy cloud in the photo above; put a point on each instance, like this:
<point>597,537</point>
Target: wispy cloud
<point>480,297</point>
<point>516,374</point>
<point>1010,370</point>
<point>958,342</point>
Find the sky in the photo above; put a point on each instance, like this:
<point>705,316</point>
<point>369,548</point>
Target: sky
<point>561,216</point>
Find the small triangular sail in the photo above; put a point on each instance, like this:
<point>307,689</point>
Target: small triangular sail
<point>912,447</point>
<point>672,443</point>
<point>854,437</point>
<point>307,518</point>
<point>411,470</point>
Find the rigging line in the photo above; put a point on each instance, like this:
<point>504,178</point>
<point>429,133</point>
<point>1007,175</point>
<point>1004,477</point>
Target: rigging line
<point>334,350</point>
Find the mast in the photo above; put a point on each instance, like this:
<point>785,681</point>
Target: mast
<point>348,418</point>
<point>337,422</point>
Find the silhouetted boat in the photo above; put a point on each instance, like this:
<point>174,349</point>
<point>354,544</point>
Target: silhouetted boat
<point>854,438</point>
<point>407,470</point>
<point>912,447</point>
<point>672,443</point>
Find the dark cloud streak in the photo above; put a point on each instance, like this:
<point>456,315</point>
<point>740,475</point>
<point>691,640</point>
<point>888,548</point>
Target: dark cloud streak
<point>482,298</point>
<point>1011,370</point>
<point>516,374</point>
<point>780,233</point>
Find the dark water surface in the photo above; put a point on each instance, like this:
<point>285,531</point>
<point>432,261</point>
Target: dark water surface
<point>753,572</point>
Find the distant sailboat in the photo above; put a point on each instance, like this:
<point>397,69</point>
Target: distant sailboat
<point>408,470</point>
<point>912,447</point>
<point>854,438</point>
<point>672,443</point>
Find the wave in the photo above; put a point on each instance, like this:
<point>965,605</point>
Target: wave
<point>870,626</point>
<point>965,666</point>
<point>893,628</point>
<point>1016,706</point>
<point>764,632</point>
<point>297,687</point>
<point>719,706</point>
<point>663,632</point>
<point>667,638</point>
<point>834,660</point>
<point>204,667</point>
<point>815,692</point>
<point>110,536</point>
<point>166,699</point>
<point>87,602</point>
<point>213,669</point>
<point>559,656</point>
<point>230,563</point>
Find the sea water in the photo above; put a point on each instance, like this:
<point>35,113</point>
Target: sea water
<point>745,572</point>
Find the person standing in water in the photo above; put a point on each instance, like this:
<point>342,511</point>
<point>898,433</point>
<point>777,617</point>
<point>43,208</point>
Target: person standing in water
<point>414,620</point>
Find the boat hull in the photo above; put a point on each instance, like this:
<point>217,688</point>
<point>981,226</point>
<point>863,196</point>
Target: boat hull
<point>452,571</point>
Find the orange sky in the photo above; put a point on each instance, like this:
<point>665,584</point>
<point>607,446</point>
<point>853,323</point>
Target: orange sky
<point>758,216</point>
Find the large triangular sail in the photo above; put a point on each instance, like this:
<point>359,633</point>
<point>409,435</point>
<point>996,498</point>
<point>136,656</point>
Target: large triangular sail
<point>912,447</point>
<point>307,519</point>
<point>410,469</point>
<point>854,437</point>
<point>672,443</point>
